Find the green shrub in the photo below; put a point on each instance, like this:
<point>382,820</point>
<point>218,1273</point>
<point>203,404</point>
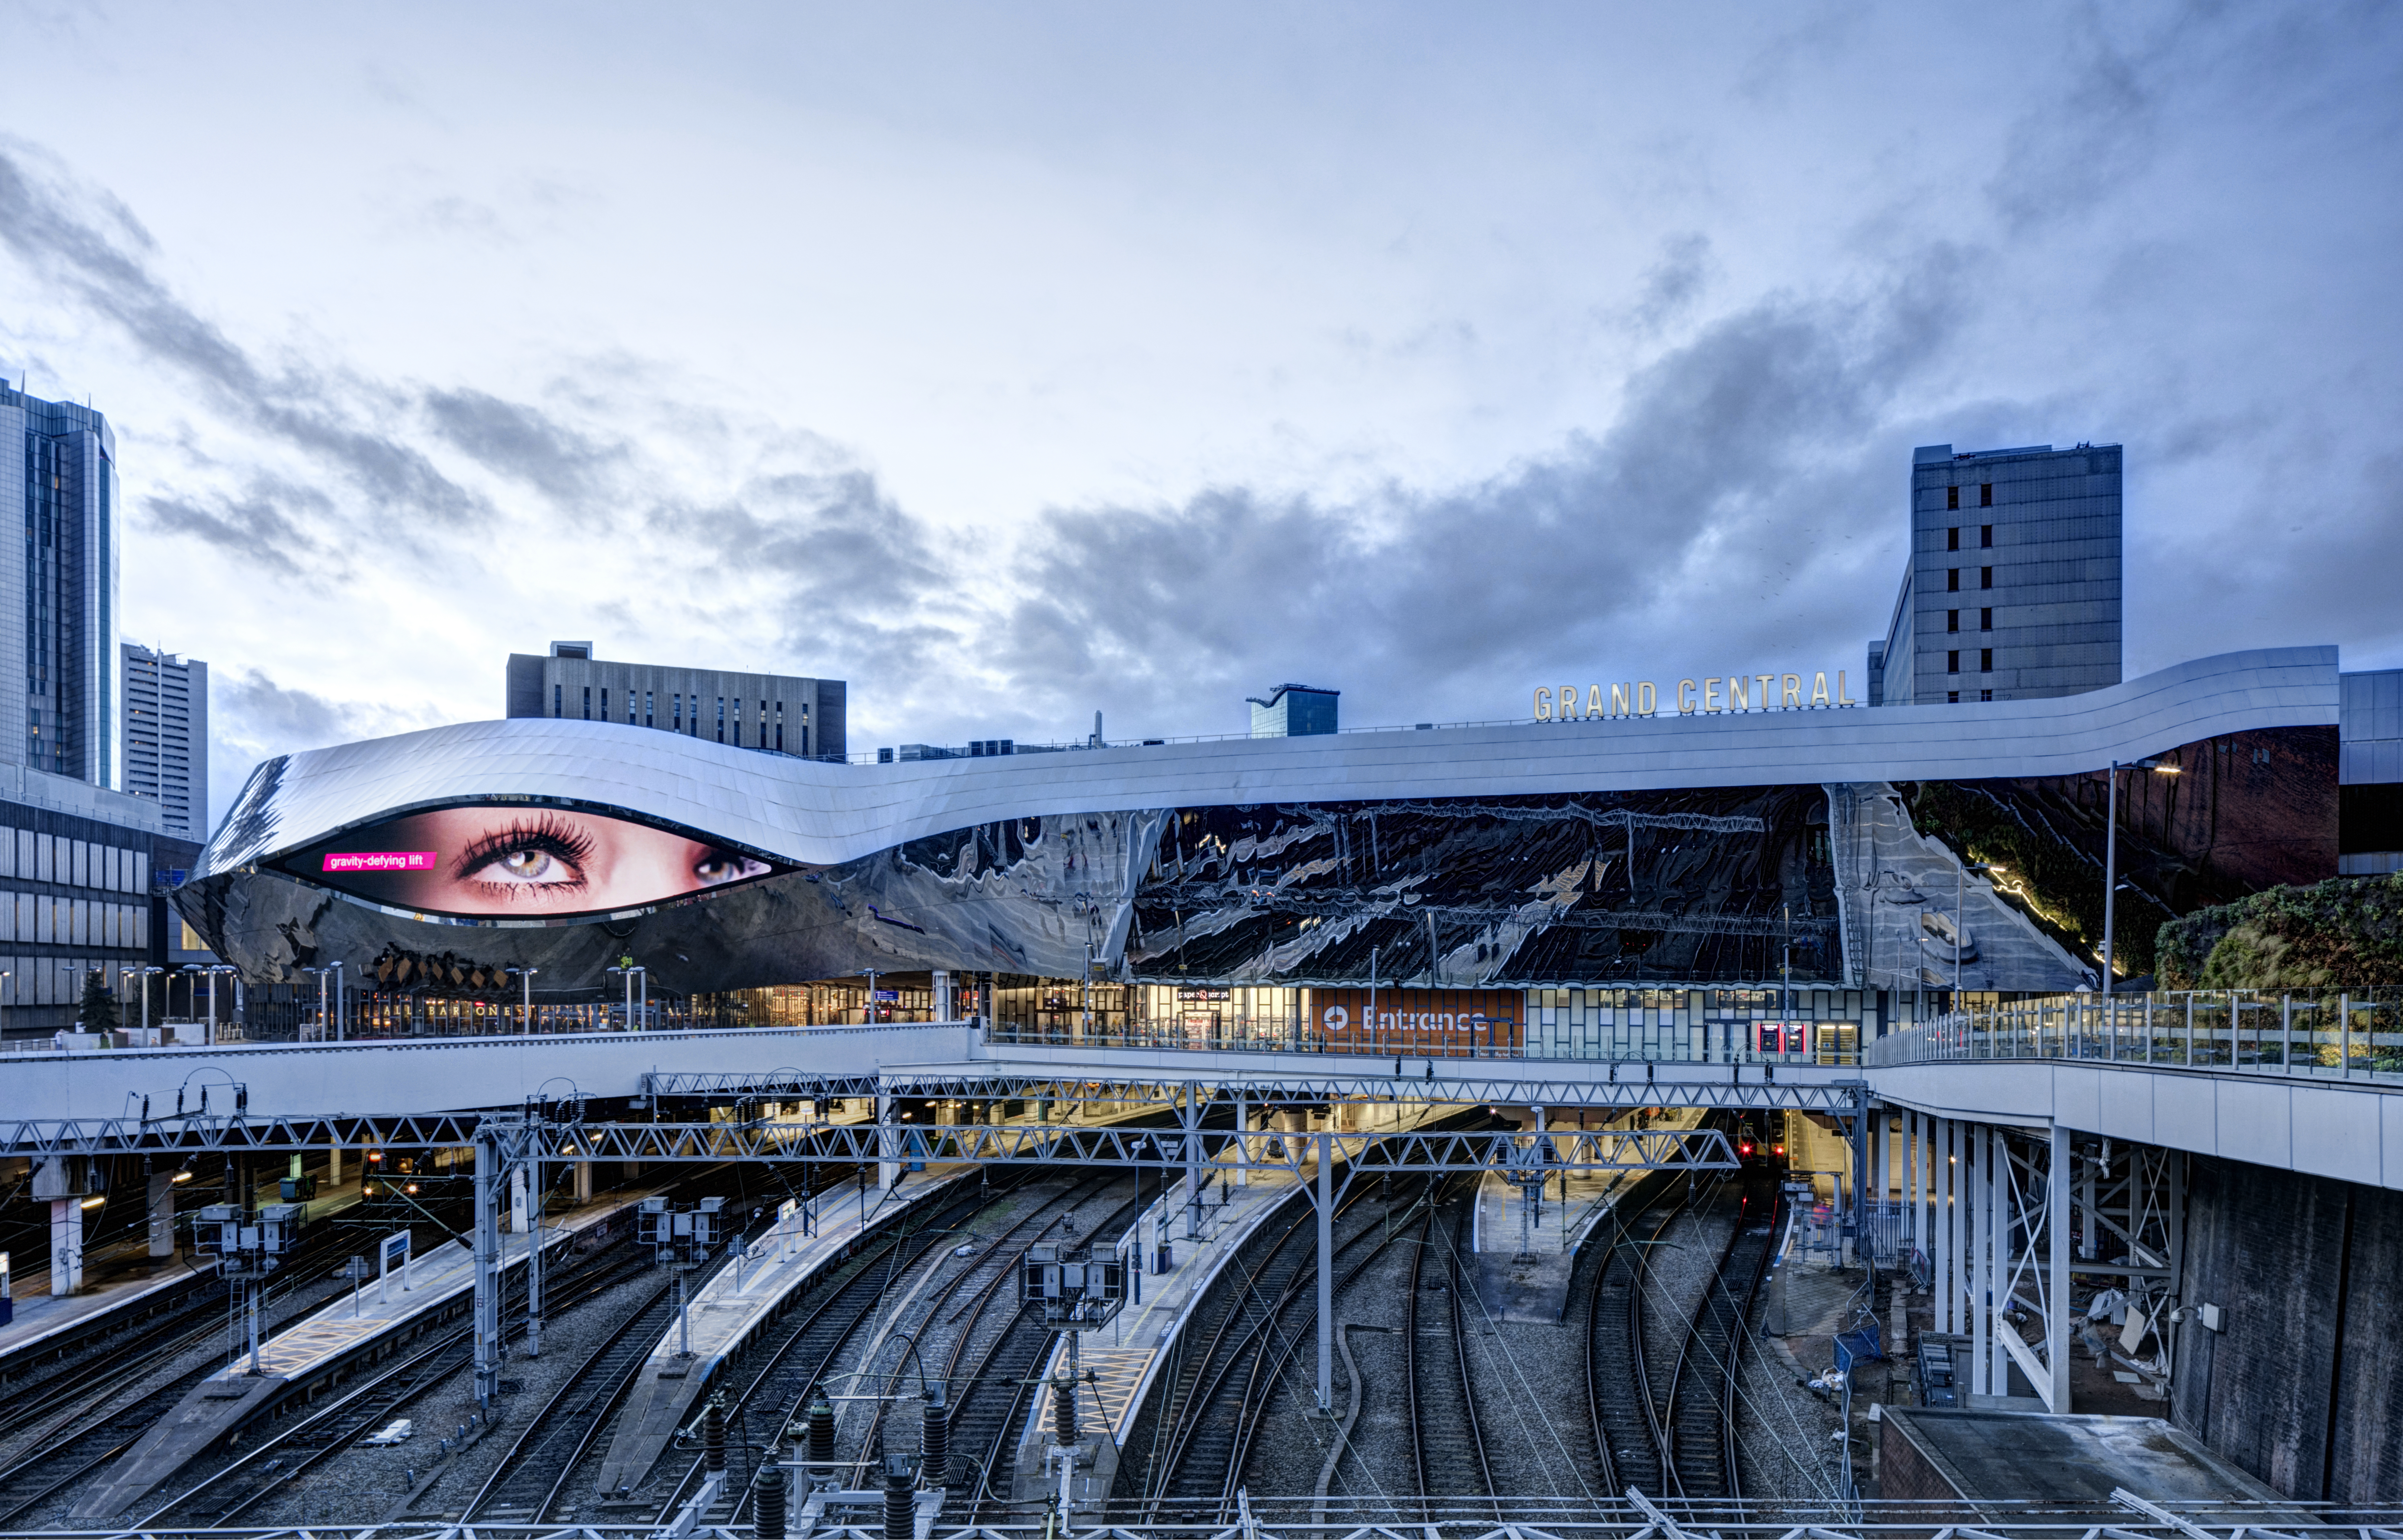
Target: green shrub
<point>2344,933</point>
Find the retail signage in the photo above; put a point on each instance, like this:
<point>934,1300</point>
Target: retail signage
<point>1205,993</point>
<point>1418,1021</point>
<point>385,860</point>
<point>1707,696</point>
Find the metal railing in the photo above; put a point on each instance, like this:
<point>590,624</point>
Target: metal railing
<point>2333,1033</point>
<point>1670,1045</point>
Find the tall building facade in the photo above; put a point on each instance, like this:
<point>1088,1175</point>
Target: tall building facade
<point>58,590</point>
<point>2012,592</point>
<point>1293,711</point>
<point>166,737</point>
<point>778,713</point>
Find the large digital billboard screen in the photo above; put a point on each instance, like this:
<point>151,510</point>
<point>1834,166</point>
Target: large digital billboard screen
<point>498,861</point>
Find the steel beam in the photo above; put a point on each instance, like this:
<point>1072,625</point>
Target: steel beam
<point>1614,1084</point>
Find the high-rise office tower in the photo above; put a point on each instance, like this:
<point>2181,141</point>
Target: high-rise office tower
<point>2012,592</point>
<point>778,713</point>
<point>58,590</point>
<point>166,738</point>
<point>1293,710</point>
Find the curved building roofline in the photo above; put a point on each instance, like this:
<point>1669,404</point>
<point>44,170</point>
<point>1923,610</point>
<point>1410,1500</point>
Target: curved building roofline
<point>813,813</point>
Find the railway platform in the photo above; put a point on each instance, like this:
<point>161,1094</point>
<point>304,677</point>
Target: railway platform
<point>739,1297</point>
<point>365,1323</point>
<point>128,1276</point>
<point>1525,1254</point>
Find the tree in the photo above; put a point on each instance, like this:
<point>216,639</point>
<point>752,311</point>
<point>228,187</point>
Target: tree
<point>99,1010</point>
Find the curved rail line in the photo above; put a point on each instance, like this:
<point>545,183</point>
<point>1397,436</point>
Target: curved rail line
<point>285,1455</point>
<point>1447,1442</point>
<point>1618,1400</point>
<point>1700,1410</point>
<point>808,1353</point>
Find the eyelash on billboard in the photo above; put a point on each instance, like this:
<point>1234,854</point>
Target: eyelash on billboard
<point>548,835</point>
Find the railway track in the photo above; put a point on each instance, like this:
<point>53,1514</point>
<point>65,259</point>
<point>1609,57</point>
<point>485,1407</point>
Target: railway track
<point>289,1453</point>
<point>807,1353</point>
<point>72,1383</point>
<point>528,1481</point>
<point>1699,1409</point>
<point>1211,1410</point>
<point>1618,1402</point>
<point>1203,1423</point>
<point>992,1382</point>
<point>83,1440</point>
<point>1447,1442</point>
<point>84,1432</point>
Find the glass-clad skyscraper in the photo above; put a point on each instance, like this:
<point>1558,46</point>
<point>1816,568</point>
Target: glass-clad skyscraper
<point>58,657</point>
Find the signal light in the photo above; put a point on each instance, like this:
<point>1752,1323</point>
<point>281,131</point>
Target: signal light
<point>1745,1149</point>
<point>1781,1149</point>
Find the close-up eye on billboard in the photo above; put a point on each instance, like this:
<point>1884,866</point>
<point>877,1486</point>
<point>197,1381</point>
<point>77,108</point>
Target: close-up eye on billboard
<point>513,861</point>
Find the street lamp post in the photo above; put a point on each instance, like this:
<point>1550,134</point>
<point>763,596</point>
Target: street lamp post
<point>2111,884</point>
<point>1961,871</point>
<point>338,1012</point>
<point>146,972</point>
<point>525,1020</point>
<point>631,972</point>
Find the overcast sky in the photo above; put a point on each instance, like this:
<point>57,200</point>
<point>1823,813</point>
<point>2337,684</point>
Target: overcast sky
<point>1013,362</point>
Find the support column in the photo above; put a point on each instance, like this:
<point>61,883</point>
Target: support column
<point>1915,1143</point>
<point>1947,1230</point>
<point>333,1165</point>
<point>1981,1323</point>
<point>1190,1116</point>
<point>161,1213</point>
<point>66,1246</point>
<point>2090,1229</point>
<point>888,1144</point>
<point>532,1170</point>
<point>488,1277</point>
<point>1326,1271</point>
<point>1242,1143</point>
<point>584,1181</point>
<point>1998,1255</point>
<point>2056,1288</point>
<point>942,995</point>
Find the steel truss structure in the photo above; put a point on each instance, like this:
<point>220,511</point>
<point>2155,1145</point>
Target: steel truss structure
<point>1745,1087</point>
<point>524,1140</point>
<point>1535,1518</point>
<point>1989,1209</point>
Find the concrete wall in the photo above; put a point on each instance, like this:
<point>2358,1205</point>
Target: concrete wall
<point>2348,1129</point>
<point>2302,1386</point>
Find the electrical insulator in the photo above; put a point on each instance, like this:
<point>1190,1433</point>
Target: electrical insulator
<point>713,1435</point>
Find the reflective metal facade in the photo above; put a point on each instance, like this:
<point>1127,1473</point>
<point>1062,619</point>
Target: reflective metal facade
<point>1696,849</point>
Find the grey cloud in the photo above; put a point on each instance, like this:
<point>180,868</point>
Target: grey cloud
<point>2073,147</point>
<point>1721,509</point>
<point>522,442</point>
<point>268,523</point>
<point>254,708</point>
<point>40,223</point>
<point>1675,284</point>
<point>852,574</point>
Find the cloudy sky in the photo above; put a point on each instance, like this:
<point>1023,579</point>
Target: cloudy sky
<point>1017,362</point>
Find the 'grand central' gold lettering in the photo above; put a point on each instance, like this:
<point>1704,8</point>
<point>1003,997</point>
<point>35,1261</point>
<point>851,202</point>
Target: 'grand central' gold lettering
<point>1712,695</point>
